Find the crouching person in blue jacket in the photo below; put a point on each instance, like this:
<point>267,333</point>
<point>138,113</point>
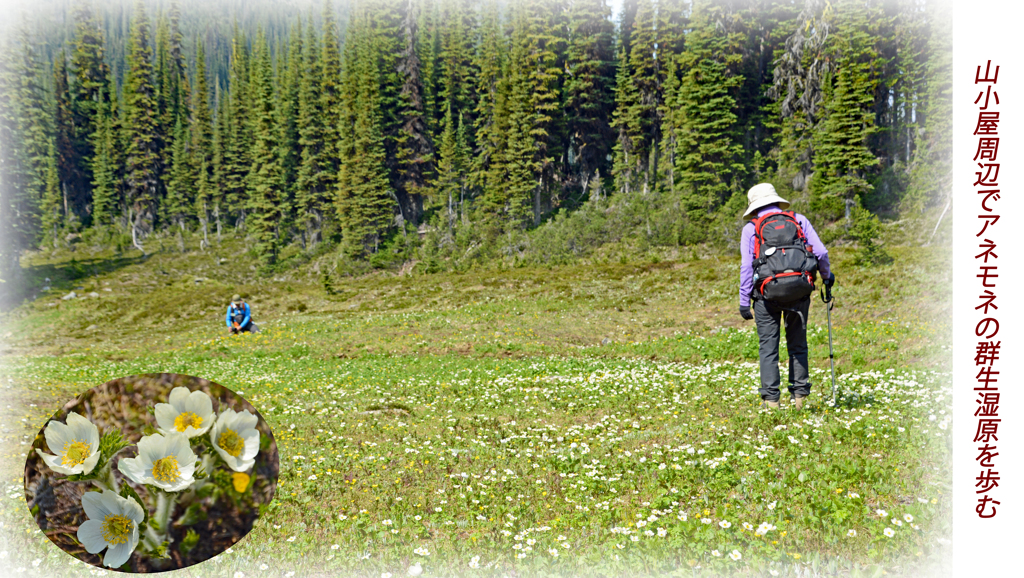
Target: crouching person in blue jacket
<point>239,317</point>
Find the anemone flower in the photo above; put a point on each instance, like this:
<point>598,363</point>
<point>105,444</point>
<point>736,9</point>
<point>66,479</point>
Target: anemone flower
<point>166,462</point>
<point>190,413</point>
<point>113,524</point>
<point>77,445</point>
<point>236,439</point>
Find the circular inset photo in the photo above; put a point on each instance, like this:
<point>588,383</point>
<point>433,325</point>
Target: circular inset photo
<point>150,473</point>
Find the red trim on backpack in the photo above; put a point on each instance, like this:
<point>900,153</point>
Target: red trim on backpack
<point>790,274</point>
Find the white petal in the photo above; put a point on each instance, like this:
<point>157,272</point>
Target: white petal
<point>252,444</point>
<point>133,468</point>
<point>178,447</point>
<point>57,435</point>
<point>200,404</point>
<point>183,484</point>
<point>90,462</point>
<point>90,534</point>
<point>118,554</point>
<point>226,418</point>
<point>96,508</point>
<point>53,462</point>
<point>218,429</point>
<point>186,459</point>
<point>131,509</point>
<point>243,465</point>
<point>152,448</point>
<point>94,439</point>
<point>193,432</point>
<point>165,416</point>
<point>223,454</point>
<point>246,420</point>
<point>178,398</point>
<point>83,430</point>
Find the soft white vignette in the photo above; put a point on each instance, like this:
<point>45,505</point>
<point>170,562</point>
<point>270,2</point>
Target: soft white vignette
<point>983,30</point>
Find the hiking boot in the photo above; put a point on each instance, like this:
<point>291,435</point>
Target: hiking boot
<point>798,402</point>
<point>771,404</point>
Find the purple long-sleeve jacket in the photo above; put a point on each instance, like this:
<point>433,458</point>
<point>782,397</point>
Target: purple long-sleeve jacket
<point>747,251</point>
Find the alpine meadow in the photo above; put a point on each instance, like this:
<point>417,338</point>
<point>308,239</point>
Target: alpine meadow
<point>492,253</point>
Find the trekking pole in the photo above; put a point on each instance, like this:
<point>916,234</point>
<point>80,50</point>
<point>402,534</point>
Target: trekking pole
<point>826,298</point>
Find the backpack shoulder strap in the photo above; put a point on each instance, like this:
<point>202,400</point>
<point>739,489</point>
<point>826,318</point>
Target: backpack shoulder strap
<point>759,224</point>
<point>757,237</point>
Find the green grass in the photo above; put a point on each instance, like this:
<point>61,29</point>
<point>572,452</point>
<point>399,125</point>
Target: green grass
<point>544,400</point>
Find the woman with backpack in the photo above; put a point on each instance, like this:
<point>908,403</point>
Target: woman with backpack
<point>780,255</point>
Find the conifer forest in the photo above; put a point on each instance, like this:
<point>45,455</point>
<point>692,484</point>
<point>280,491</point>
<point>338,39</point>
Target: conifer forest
<point>455,131</point>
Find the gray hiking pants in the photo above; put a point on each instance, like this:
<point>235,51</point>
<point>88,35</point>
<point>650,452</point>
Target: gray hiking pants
<point>768,315</point>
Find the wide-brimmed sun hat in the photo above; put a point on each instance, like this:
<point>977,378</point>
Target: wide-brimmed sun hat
<point>762,195</point>
<point>236,298</point>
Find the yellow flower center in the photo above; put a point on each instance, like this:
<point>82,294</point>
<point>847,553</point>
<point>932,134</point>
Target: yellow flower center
<point>186,419</point>
<point>231,442</point>
<point>166,469</point>
<point>116,529</point>
<point>75,452</point>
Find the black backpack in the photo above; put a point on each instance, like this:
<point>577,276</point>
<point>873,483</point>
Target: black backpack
<point>784,263</point>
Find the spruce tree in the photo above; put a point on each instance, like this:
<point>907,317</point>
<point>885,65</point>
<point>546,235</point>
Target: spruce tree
<point>428,49</point>
<point>14,202</point>
<point>36,117</point>
<point>521,189</point>
<point>625,27</point>
<point>671,30</point>
<point>69,168</point>
<point>761,29</point>
<point>88,93</point>
<point>118,155</point>
<point>267,201</point>
<point>166,113</point>
<point>644,77</point>
<point>313,191</point>
<point>330,79</point>
<point>670,131</point>
<point>288,109</point>
<point>51,206</point>
<point>177,206</point>
<point>628,158</point>
<point>139,127</point>
<point>412,140</point>
<point>218,175</point>
<point>364,195</point>
<point>798,73</point>
<point>456,59</point>
<point>842,156</point>
<point>236,135</point>
<point>202,145</point>
<point>589,90</point>
<point>536,68</point>
<point>462,164</point>
<point>707,154</point>
<point>446,188</point>
<point>104,199</point>
<point>489,121</point>
<point>28,122</point>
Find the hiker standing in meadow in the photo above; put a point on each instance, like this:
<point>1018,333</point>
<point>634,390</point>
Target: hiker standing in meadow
<point>779,256</point>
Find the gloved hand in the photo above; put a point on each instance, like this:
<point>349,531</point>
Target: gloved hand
<point>831,279</point>
<point>745,312</point>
